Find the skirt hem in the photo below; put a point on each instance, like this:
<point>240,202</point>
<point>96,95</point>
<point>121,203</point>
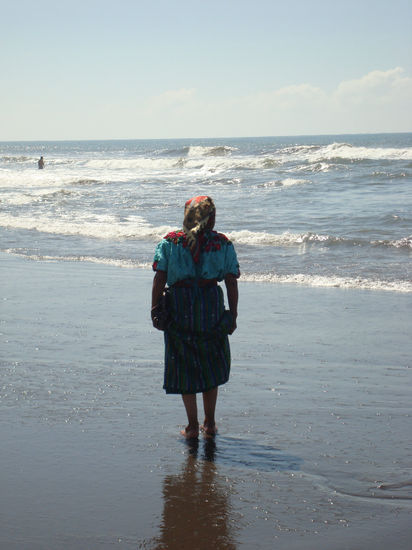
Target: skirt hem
<point>180,392</point>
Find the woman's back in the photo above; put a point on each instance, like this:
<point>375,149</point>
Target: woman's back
<point>216,257</point>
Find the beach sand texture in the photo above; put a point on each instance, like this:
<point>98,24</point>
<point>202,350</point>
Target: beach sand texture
<point>314,445</point>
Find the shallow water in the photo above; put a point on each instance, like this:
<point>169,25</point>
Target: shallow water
<point>314,425</point>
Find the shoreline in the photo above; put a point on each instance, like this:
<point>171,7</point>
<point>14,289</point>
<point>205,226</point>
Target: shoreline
<point>296,279</point>
<point>311,421</point>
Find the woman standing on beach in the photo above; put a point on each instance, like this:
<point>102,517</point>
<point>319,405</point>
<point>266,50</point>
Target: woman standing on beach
<point>197,354</point>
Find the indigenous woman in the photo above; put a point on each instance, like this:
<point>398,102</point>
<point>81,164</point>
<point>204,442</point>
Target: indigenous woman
<point>197,354</point>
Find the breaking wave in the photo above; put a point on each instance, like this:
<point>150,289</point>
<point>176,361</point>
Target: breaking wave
<point>16,159</point>
<point>329,282</point>
<point>283,239</point>
<point>345,151</point>
<point>94,226</point>
<point>405,242</point>
<point>289,239</point>
<point>215,151</point>
<point>287,182</point>
<point>102,226</point>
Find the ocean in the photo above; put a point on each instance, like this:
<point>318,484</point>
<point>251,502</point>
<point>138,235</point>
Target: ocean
<point>315,211</point>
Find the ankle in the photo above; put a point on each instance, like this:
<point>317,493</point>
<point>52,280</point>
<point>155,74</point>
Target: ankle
<point>193,426</point>
<point>209,422</point>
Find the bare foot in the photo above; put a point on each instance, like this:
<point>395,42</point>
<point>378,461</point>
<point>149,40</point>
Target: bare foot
<point>210,430</point>
<point>190,432</point>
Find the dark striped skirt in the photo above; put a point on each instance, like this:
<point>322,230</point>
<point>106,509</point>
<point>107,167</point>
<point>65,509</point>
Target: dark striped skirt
<point>197,352</point>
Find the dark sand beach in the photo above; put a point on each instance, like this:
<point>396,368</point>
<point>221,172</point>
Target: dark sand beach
<point>314,445</point>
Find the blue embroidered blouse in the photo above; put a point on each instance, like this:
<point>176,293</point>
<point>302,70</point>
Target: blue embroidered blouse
<point>217,257</point>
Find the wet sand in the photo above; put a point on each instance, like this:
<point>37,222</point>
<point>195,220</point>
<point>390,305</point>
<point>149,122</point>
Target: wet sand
<point>314,436</point>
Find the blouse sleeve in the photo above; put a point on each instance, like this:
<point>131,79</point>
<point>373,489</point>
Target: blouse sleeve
<point>231,262</point>
<point>161,256</point>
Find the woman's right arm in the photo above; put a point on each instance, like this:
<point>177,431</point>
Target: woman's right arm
<point>159,283</point>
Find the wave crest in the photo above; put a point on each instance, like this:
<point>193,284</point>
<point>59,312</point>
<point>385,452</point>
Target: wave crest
<point>287,182</point>
<point>405,242</point>
<point>346,152</point>
<point>17,159</point>
<point>284,239</point>
<point>212,151</point>
<point>329,282</point>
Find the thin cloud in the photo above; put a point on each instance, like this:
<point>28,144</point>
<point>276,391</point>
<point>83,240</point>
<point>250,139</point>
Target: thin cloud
<point>376,86</point>
<point>169,99</point>
<point>380,101</point>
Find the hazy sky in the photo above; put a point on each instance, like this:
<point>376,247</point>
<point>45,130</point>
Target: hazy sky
<point>155,68</point>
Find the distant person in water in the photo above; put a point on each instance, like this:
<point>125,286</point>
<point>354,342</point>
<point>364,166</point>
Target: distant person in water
<point>40,163</point>
<point>192,261</point>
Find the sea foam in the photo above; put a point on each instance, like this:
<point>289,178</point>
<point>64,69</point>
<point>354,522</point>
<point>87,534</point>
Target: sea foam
<point>94,226</point>
<point>328,282</point>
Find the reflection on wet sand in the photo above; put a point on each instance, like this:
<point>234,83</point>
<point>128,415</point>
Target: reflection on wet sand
<point>196,513</point>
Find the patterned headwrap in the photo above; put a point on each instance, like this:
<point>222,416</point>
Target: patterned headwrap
<point>199,212</point>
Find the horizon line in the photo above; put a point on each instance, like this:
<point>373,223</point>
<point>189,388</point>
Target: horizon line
<point>48,140</point>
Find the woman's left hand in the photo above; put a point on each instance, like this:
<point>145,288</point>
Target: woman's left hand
<point>234,325</point>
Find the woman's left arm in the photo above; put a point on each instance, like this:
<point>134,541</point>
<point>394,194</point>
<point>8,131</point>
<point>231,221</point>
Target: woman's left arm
<point>232,298</point>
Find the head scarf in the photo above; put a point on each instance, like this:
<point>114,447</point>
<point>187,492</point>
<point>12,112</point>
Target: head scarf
<point>199,215</point>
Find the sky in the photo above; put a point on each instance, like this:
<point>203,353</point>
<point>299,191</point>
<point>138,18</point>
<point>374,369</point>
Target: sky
<point>138,69</point>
